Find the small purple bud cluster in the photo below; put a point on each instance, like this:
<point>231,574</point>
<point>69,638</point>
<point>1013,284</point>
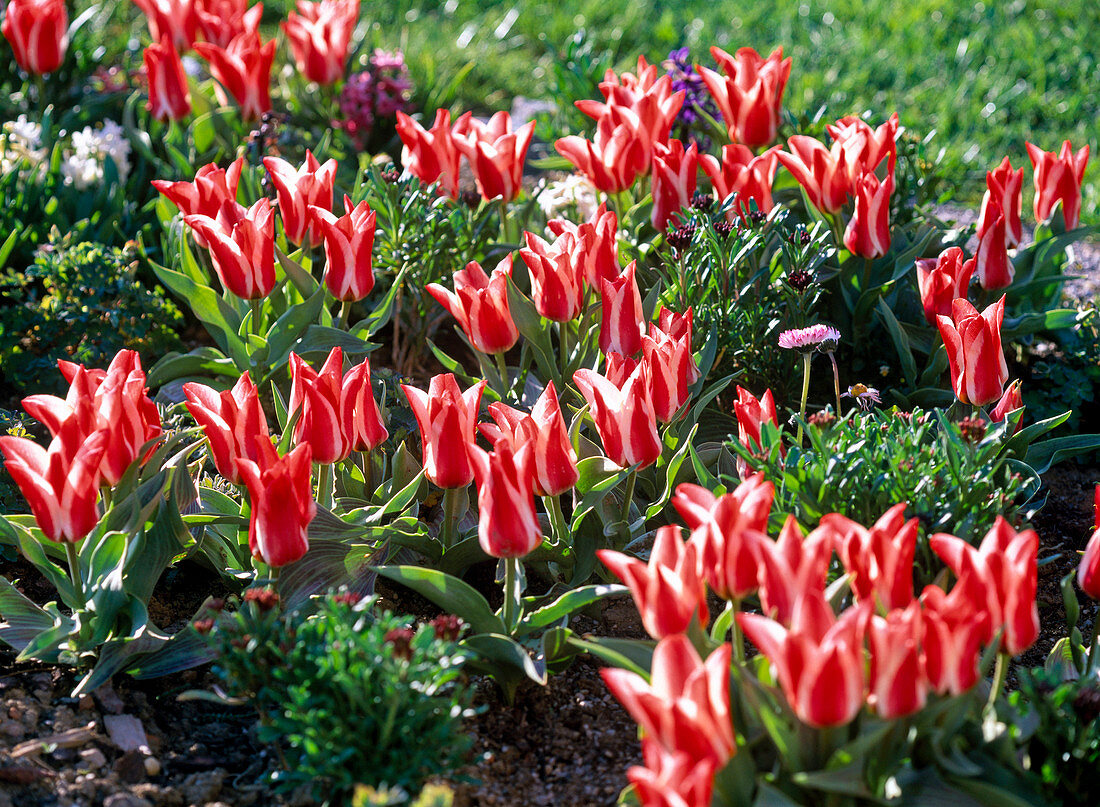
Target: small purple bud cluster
<point>696,98</point>
<point>376,94</point>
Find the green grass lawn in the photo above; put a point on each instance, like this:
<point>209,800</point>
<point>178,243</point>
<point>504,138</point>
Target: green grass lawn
<point>986,76</point>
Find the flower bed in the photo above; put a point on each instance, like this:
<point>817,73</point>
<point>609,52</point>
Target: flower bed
<point>730,375</point>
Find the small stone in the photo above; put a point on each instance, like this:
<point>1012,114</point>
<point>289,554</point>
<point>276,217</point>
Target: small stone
<point>126,800</point>
<point>85,704</point>
<point>11,729</point>
<point>152,766</point>
<point>93,758</point>
<point>130,767</point>
<point>109,700</point>
<point>203,787</point>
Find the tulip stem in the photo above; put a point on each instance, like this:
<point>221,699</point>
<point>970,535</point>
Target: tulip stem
<point>257,306</point>
<point>736,636</point>
<point>325,480</point>
<point>344,315</point>
<point>1000,675</point>
<point>368,473</point>
<point>511,607</point>
<point>563,346</point>
<point>74,573</point>
<point>450,517</point>
<point>558,529</point>
<point>628,497</point>
<point>1091,665</point>
<point>502,371</point>
<point>806,358</point>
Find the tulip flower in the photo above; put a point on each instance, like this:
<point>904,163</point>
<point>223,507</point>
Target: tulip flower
<point>243,69</point>
<point>685,707</point>
<point>280,491</point>
<point>898,683</point>
<point>648,108</point>
<point>495,153</point>
<point>115,401</point>
<point>1010,402</point>
<point>300,189</point>
<point>325,418</point>
<point>430,154</point>
<point>1058,179</point>
<point>879,560</point>
<point>1088,573</point>
<point>233,422</point>
<point>743,173</point>
<point>319,34</point>
<point>791,568</point>
<point>242,246</point>
<point>868,232</point>
<point>623,415</point>
<point>669,591</point>
<point>169,97</point>
<point>613,160</point>
<point>599,243</point>
<point>174,19</point>
<point>823,173</point>
<point>363,426</point>
<point>820,669</point>
<point>557,275</point>
<point>752,413</point>
<point>978,367</point>
<point>672,368</point>
<point>221,20</point>
<point>204,196</point>
<point>38,31</point>
<point>349,241</point>
<point>480,304</point>
<point>1000,577</point>
<point>555,461</point>
<point>865,148</point>
<point>1004,188</point>
<point>622,88</point>
<point>941,280</point>
<point>952,642</point>
<point>750,95</point>
<point>447,418</point>
<point>994,268</point>
<point>728,530</point>
<point>508,526</point>
<point>675,170</point>
<point>60,483</point>
<point>622,320</point>
<point>672,779</point>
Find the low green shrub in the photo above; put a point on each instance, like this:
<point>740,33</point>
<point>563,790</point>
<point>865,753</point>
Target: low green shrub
<point>349,695</point>
<point>81,302</point>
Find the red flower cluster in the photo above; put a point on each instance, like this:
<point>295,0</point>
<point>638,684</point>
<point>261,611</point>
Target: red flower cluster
<point>99,430</point>
<point>494,152</point>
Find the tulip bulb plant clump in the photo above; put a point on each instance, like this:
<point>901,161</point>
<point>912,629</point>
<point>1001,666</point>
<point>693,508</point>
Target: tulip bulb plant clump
<point>745,378</point>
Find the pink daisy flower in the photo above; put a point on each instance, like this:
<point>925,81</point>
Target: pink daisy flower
<point>811,338</point>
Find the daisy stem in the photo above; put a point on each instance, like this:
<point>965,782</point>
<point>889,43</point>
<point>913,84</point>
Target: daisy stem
<point>806,357</point>
<point>836,382</point>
